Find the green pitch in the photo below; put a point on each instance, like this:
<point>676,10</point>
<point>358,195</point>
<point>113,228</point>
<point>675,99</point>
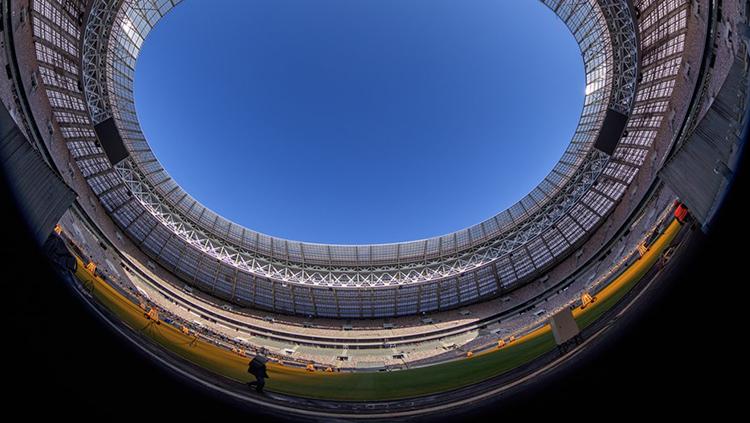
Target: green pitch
<point>371,386</point>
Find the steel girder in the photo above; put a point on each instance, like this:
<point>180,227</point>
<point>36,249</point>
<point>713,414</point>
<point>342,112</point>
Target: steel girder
<point>395,274</point>
<point>95,58</point>
<point>622,30</point>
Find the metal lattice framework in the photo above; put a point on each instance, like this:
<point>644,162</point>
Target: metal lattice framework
<point>624,58</point>
<point>250,268</point>
<point>456,264</point>
<point>95,58</point>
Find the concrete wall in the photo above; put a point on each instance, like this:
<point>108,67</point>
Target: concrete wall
<point>41,194</point>
<point>702,167</point>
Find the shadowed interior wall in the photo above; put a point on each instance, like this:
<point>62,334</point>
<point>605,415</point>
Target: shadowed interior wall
<point>41,194</point>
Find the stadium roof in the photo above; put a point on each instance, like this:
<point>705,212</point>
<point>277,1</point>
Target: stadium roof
<point>512,247</point>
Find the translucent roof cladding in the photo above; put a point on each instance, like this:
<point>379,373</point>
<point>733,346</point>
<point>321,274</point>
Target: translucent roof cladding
<point>137,18</point>
<point>326,290</point>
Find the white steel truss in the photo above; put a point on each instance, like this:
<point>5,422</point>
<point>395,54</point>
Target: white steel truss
<point>393,274</point>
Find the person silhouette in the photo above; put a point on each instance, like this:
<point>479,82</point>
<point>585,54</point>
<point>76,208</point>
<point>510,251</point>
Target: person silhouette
<point>257,368</point>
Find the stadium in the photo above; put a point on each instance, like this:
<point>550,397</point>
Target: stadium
<point>376,331</point>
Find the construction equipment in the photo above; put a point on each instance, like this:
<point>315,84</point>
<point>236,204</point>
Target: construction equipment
<point>153,314</point>
<point>586,299</point>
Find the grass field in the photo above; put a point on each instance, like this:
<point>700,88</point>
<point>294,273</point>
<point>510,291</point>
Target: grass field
<point>371,385</point>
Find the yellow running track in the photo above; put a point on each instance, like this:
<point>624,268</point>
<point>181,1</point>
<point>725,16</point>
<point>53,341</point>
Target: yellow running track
<point>372,385</point>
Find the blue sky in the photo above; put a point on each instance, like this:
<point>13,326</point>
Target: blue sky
<point>359,121</point>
